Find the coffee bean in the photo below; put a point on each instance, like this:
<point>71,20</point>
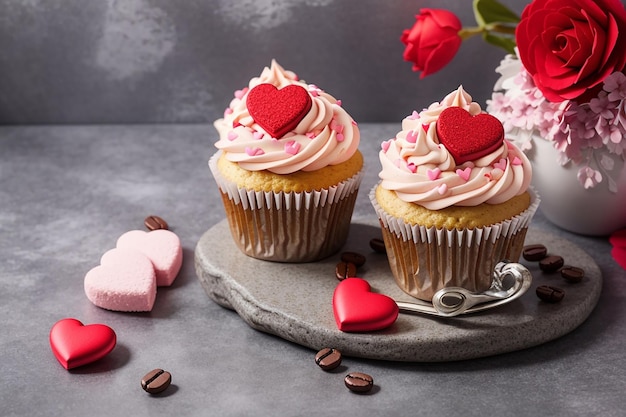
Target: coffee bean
<point>572,273</point>
<point>378,245</point>
<point>353,257</point>
<point>156,381</point>
<point>345,270</point>
<point>153,222</point>
<point>551,263</point>
<point>550,294</point>
<point>358,382</point>
<point>328,358</point>
<point>534,252</point>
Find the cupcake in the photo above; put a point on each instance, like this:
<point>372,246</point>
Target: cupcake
<point>454,198</point>
<point>287,167</point>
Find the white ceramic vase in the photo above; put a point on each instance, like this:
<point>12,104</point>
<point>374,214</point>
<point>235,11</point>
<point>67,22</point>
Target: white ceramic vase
<point>565,202</point>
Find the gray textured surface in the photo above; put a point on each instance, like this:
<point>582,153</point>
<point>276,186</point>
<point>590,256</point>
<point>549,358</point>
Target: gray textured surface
<point>294,301</point>
<point>67,193</point>
<point>161,61</point>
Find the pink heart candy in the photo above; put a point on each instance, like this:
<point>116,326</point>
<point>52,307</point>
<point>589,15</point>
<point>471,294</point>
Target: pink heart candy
<point>124,281</point>
<point>162,247</point>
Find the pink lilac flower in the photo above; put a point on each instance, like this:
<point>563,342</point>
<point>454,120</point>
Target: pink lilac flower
<point>576,130</point>
<point>589,177</point>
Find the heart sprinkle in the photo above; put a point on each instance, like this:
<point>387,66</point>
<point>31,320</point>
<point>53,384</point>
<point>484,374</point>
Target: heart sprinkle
<point>254,151</point>
<point>240,93</point>
<point>411,136</point>
<point>442,189</point>
<point>464,173</point>
<point>292,147</point>
<point>516,161</point>
<point>385,145</point>
<point>433,174</point>
<point>278,111</point>
<point>232,135</point>
<point>411,167</point>
<point>501,164</point>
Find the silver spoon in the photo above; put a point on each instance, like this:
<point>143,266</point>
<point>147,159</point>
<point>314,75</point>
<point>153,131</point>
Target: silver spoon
<point>452,301</point>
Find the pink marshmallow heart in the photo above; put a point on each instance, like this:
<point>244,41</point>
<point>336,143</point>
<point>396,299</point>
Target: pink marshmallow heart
<point>124,281</point>
<point>162,247</point>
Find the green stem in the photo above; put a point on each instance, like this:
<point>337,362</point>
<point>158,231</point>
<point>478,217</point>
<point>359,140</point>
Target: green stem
<point>496,27</point>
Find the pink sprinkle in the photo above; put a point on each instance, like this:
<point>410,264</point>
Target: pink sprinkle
<point>338,128</point>
<point>340,137</point>
<point>411,137</point>
<point>228,111</point>
<point>257,134</point>
<point>254,151</point>
<point>385,145</point>
<point>232,135</point>
<point>501,164</point>
<point>292,147</point>
<point>496,174</point>
<point>411,167</point>
<point>516,161</point>
<point>442,189</point>
<point>310,135</point>
<point>314,93</point>
<point>415,115</point>
<point>354,123</point>
<point>433,174</point>
<point>464,173</point>
<point>240,93</point>
<point>339,103</point>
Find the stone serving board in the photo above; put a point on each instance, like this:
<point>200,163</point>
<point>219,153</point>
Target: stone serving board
<point>294,302</point>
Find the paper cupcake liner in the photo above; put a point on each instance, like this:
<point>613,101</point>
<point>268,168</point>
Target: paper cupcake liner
<point>288,227</point>
<point>425,259</point>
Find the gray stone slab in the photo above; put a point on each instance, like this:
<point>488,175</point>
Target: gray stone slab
<point>294,302</point>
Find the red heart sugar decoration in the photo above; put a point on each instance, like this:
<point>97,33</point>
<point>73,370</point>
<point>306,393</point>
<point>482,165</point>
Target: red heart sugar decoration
<point>278,111</point>
<point>75,344</point>
<point>357,309</point>
<point>468,137</point>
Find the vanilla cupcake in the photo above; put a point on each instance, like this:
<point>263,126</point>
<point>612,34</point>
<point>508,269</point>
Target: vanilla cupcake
<point>454,198</point>
<point>288,168</point>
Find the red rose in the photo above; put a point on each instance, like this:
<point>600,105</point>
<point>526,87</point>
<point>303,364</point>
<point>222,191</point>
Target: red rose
<point>570,46</point>
<point>433,40</point>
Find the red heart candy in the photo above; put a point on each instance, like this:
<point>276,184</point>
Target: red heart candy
<point>357,309</point>
<point>278,111</point>
<point>75,344</point>
<point>468,137</point>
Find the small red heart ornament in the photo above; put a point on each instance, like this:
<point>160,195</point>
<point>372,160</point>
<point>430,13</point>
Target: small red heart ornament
<point>357,309</point>
<point>469,137</point>
<point>75,344</point>
<point>278,111</point>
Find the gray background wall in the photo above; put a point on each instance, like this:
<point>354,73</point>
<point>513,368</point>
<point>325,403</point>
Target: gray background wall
<point>167,61</point>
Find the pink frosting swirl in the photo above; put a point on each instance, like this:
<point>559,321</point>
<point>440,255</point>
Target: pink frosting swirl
<point>327,135</point>
<point>421,170</point>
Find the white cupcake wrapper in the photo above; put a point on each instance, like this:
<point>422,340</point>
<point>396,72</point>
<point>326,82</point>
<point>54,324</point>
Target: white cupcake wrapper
<point>423,234</point>
<point>251,199</point>
<point>424,260</point>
